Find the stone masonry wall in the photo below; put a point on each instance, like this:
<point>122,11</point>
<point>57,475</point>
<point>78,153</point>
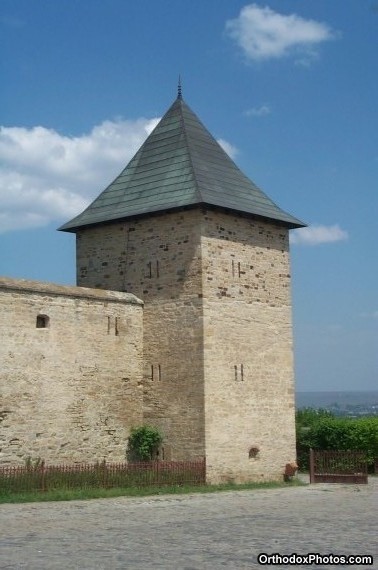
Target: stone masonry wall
<point>70,390</point>
<point>249,392</point>
<point>158,259</point>
<point>218,369</point>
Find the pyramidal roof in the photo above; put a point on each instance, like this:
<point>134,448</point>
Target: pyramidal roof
<point>179,165</point>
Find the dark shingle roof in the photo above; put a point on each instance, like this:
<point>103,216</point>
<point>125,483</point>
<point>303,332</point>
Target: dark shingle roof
<point>180,164</point>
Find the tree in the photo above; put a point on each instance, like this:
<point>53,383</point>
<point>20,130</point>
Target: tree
<point>319,429</point>
<point>307,417</point>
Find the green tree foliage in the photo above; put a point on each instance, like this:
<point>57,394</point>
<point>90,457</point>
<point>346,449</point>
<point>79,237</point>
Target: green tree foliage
<point>343,434</point>
<point>321,430</point>
<point>307,417</point>
<point>305,420</point>
<point>143,443</point>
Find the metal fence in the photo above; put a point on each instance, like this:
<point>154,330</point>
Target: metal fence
<point>338,467</point>
<point>102,475</point>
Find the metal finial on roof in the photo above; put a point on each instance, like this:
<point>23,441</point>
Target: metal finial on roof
<point>179,90</point>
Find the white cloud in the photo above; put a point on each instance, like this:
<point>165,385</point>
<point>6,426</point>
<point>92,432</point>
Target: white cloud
<point>316,234</point>
<point>263,34</point>
<point>371,315</point>
<point>258,111</point>
<point>229,148</point>
<point>46,176</point>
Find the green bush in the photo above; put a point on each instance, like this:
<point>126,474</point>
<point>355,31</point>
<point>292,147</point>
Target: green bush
<point>320,431</point>
<point>307,417</point>
<point>143,443</point>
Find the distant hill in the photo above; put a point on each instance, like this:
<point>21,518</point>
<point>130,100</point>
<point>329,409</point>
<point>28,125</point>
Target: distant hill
<point>359,402</point>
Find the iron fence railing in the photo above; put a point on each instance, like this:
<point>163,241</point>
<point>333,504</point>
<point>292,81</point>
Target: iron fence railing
<point>44,477</point>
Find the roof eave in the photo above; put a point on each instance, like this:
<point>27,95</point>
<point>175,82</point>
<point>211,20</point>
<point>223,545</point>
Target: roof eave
<point>291,223</point>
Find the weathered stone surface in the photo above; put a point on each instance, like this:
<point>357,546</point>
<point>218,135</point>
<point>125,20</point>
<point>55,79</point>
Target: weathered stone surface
<point>158,259</point>
<point>218,369</point>
<point>71,390</point>
<point>248,364</point>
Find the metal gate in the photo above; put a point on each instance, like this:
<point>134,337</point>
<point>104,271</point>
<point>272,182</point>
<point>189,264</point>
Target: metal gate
<point>338,467</point>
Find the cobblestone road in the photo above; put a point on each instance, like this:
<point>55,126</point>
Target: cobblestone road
<point>191,532</point>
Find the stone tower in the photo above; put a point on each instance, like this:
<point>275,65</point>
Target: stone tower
<point>207,251</point>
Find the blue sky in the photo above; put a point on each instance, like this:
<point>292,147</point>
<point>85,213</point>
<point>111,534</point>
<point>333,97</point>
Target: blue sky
<point>289,87</point>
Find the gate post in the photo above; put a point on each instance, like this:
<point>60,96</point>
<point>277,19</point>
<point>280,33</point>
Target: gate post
<point>312,466</point>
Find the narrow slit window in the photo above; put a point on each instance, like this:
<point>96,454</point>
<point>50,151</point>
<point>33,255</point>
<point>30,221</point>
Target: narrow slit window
<point>242,372</point>
<point>116,331</point>
<point>108,325</point>
<point>236,373</point>
<point>42,322</point>
<point>152,372</point>
<point>157,269</point>
<point>159,372</point>
<point>239,270</point>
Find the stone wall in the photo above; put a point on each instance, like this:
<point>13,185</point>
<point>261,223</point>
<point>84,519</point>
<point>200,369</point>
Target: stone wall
<point>158,259</point>
<point>218,369</point>
<point>249,391</point>
<point>71,372</point>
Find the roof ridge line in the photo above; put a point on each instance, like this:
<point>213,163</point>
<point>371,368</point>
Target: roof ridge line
<point>198,192</point>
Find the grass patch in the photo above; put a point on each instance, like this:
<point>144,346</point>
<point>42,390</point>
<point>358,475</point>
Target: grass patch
<point>98,493</point>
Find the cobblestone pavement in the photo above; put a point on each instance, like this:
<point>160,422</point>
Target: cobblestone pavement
<point>191,532</point>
